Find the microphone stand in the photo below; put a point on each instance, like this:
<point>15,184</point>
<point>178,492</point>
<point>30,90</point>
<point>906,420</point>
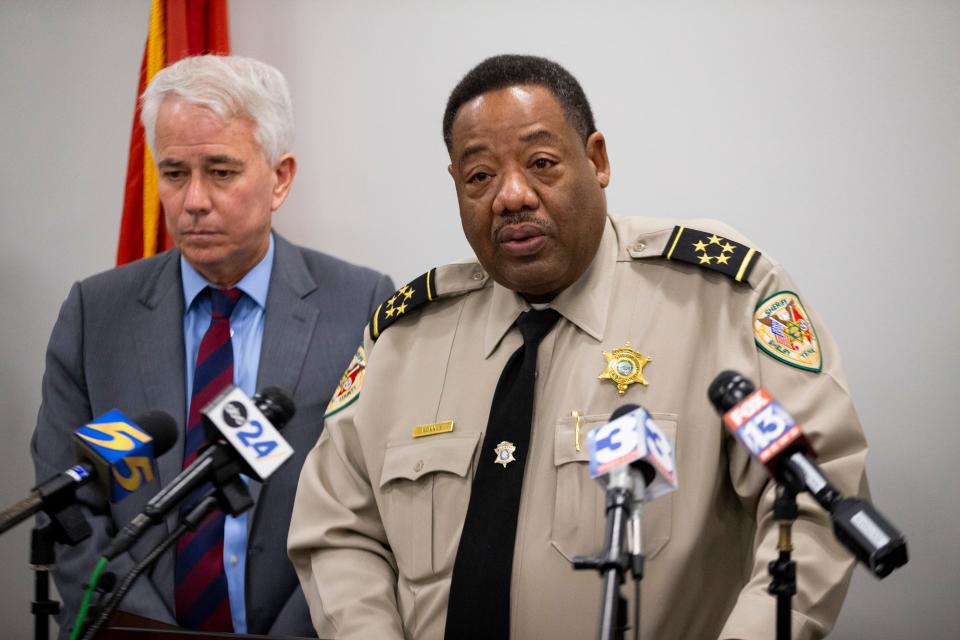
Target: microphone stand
<point>68,526</point>
<point>619,553</point>
<point>42,556</point>
<point>783,570</point>
<point>231,496</point>
<point>635,553</point>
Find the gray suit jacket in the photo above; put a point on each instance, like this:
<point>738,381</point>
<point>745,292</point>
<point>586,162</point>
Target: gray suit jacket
<point>118,343</point>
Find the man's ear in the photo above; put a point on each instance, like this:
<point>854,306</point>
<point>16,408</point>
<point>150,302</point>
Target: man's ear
<point>284,172</point>
<point>596,150</point>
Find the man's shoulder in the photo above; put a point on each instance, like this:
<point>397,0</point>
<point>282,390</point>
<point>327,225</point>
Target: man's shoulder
<point>135,279</point>
<point>704,244</point>
<point>324,265</point>
<point>644,225</point>
<point>436,286</point>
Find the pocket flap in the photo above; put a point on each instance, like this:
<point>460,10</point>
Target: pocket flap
<point>449,452</point>
<point>565,440</point>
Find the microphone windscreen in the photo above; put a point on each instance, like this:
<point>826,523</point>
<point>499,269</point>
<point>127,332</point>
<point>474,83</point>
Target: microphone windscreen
<point>277,406</point>
<point>728,389</point>
<point>622,410</point>
<point>161,426</point>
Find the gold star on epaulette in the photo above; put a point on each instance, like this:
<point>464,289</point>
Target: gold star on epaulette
<point>697,247</point>
<point>407,298</point>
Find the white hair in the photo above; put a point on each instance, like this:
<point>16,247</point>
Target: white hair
<point>230,86</point>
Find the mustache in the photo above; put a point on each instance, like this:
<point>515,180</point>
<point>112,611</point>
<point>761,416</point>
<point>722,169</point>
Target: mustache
<point>524,216</point>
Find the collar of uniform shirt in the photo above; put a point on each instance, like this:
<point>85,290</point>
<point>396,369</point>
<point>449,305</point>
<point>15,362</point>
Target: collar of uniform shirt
<point>584,303</point>
<point>255,284</point>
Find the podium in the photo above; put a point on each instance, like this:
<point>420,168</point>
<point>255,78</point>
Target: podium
<point>128,626</point>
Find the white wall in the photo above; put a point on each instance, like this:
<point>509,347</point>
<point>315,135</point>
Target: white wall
<point>827,132</point>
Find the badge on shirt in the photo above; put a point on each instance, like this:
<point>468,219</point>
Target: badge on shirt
<point>783,330</point>
<point>503,453</point>
<point>432,429</point>
<point>348,389</point>
<point>624,367</point>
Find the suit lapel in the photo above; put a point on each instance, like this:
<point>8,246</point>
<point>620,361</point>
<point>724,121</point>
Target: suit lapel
<point>160,353</point>
<point>289,323</point>
<point>159,344</point>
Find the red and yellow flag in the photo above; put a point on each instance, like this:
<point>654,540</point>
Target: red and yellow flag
<point>178,28</point>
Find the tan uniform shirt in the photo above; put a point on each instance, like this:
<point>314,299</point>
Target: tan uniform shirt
<point>378,514</point>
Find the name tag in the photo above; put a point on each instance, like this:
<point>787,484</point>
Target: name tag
<point>422,430</point>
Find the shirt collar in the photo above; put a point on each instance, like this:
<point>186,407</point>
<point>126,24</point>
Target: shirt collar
<point>256,283</point>
<point>584,303</point>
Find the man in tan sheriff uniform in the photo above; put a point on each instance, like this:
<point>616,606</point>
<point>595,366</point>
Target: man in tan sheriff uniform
<point>653,308</point>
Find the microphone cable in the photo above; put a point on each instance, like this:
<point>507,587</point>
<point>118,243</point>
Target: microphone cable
<point>190,522</point>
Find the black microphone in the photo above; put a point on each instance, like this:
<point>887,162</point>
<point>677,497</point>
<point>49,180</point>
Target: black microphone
<point>632,459</point>
<point>113,451</point>
<point>245,439</point>
<point>646,470</point>
<point>631,451</point>
<point>774,438</point>
<point>635,475</point>
<point>630,454</point>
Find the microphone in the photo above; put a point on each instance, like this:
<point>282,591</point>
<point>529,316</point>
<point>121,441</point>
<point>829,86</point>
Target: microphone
<point>631,452</point>
<point>246,425</point>
<point>774,438</point>
<point>245,439</point>
<point>116,452</point>
<point>632,459</point>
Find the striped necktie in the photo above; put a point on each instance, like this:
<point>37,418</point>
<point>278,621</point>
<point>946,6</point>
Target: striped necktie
<point>201,594</point>
<point>479,605</point>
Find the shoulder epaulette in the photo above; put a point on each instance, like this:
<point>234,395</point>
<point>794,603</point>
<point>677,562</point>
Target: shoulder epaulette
<point>711,251</point>
<point>447,281</point>
<point>410,296</point>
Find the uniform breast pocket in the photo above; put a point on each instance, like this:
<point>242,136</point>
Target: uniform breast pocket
<point>579,516</point>
<point>425,489</point>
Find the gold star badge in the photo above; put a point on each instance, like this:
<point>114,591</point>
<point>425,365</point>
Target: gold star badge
<point>504,453</point>
<point>399,309</point>
<point>403,302</point>
<point>703,255</point>
<point>624,367</point>
<point>711,251</point>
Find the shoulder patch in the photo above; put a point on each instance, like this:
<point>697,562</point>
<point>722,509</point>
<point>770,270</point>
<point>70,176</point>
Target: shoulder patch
<point>711,251</point>
<point>348,390</point>
<point>410,296</point>
<point>783,330</point>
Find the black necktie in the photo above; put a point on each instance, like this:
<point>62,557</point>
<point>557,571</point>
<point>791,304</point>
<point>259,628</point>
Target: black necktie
<point>480,589</point>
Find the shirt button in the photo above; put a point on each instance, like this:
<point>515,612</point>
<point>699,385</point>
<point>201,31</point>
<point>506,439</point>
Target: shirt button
<point>639,246</point>
<point>419,466</point>
<point>231,333</point>
<point>478,275</point>
<point>234,559</point>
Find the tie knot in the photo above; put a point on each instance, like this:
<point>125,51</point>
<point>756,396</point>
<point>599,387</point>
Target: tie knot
<point>535,324</point>
<point>222,301</point>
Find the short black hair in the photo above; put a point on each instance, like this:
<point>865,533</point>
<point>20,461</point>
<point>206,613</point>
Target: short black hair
<point>499,72</point>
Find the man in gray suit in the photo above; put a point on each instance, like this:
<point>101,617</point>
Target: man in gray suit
<point>135,338</point>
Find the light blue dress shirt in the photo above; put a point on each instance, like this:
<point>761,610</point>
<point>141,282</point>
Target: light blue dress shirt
<point>246,331</point>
